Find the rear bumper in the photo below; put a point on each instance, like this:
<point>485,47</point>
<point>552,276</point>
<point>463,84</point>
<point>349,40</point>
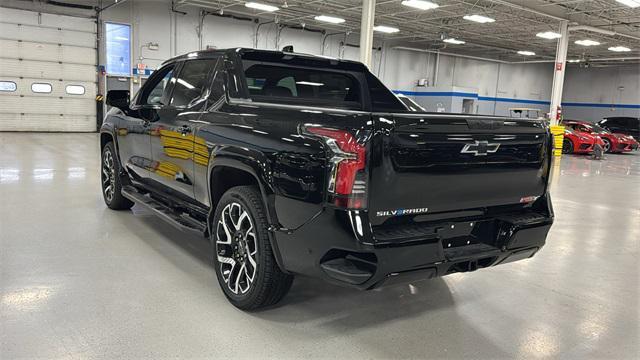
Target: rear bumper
<point>337,249</point>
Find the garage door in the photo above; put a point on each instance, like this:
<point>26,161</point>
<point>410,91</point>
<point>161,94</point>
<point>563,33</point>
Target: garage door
<point>47,72</point>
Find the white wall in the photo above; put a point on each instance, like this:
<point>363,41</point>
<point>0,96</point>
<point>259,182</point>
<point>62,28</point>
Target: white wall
<point>609,86</point>
<point>528,83</point>
<point>177,34</point>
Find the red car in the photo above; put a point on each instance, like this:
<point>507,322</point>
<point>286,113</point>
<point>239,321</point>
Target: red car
<point>613,142</point>
<point>579,143</point>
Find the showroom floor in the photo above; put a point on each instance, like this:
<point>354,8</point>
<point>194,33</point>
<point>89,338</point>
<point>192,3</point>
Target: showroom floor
<point>80,281</point>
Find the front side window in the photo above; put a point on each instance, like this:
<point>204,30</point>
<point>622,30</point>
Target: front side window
<point>8,86</point>
<point>290,85</point>
<point>156,90</point>
<point>44,88</point>
<point>191,83</point>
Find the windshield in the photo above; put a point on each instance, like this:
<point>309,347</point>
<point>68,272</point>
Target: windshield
<point>597,129</point>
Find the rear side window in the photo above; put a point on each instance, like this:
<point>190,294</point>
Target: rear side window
<point>192,82</point>
<point>8,86</point>
<point>290,85</point>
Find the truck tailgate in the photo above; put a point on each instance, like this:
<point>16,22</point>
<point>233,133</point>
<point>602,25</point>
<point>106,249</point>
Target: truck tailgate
<point>429,163</point>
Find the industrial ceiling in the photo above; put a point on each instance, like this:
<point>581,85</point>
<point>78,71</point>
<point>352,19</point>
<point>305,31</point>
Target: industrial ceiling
<point>607,22</point>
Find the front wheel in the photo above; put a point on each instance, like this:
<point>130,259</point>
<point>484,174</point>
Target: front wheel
<point>567,146</point>
<point>110,179</point>
<point>244,262</point>
<point>607,145</point>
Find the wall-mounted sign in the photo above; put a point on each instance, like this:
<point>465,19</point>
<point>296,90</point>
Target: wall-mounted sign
<point>118,49</point>
<point>559,66</point>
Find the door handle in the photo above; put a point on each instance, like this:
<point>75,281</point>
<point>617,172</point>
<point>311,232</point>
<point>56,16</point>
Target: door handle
<point>184,130</point>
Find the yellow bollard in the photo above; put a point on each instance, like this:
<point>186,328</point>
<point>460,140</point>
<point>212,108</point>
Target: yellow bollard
<point>558,138</point>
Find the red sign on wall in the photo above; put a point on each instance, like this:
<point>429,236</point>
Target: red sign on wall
<point>558,66</point>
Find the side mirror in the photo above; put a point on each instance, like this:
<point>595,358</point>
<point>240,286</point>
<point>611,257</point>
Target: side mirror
<point>118,98</point>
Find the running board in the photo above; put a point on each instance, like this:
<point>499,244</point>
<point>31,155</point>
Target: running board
<point>179,220</point>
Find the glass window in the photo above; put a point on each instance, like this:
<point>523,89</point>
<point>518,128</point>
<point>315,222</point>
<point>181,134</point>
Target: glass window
<point>9,86</point>
<point>74,89</point>
<point>41,88</point>
<point>192,82</point>
<point>302,86</point>
<point>118,49</point>
<point>156,89</point>
<point>218,81</point>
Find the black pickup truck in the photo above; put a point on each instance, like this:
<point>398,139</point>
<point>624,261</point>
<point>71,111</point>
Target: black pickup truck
<point>298,164</point>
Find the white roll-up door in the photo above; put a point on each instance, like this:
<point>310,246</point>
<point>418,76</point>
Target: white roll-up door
<point>47,72</point>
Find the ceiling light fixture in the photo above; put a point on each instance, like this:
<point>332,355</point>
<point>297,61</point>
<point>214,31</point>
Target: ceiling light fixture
<point>329,19</point>
<point>386,29</point>
<point>526,53</point>
<point>263,7</point>
<point>587,42</point>
<point>420,4</point>
<point>454,41</point>
<point>630,3</point>
<point>619,49</point>
<point>549,35</point>
<point>479,19</point>
<point>574,60</point>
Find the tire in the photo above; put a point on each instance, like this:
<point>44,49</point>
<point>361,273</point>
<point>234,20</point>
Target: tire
<point>567,146</point>
<point>607,145</point>
<point>110,181</point>
<point>243,258</point>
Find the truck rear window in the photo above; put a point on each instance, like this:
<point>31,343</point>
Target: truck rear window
<point>299,86</point>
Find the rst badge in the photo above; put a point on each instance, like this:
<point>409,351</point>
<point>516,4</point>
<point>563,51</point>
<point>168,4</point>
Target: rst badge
<point>400,212</point>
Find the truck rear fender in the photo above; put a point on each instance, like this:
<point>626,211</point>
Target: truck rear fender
<point>250,172</point>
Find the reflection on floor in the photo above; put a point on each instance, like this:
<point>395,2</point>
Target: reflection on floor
<point>80,281</point>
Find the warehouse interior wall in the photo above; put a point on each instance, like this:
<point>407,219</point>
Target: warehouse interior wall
<point>493,88</point>
<point>615,91</point>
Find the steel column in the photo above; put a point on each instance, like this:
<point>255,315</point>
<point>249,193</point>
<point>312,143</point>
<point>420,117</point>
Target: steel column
<point>558,71</point>
<point>366,31</point>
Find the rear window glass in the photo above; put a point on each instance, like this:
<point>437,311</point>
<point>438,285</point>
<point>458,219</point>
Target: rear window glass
<point>280,84</point>
<point>9,86</point>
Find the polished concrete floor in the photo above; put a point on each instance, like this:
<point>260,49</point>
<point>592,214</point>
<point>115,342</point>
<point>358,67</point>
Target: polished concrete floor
<point>80,281</point>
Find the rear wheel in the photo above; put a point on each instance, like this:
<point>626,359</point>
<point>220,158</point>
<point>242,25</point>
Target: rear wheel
<point>110,179</point>
<point>244,262</point>
<point>607,145</point>
<point>567,146</point>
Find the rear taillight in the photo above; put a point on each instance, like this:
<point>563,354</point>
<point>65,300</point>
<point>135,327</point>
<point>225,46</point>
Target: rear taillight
<point>347,185</point>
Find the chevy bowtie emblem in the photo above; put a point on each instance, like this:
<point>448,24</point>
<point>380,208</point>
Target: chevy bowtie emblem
<point>480,148</point>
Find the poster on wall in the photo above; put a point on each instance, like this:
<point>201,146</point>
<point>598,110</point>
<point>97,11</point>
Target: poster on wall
<point>118,49</point>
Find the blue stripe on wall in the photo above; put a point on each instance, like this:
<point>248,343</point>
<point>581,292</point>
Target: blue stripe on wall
<point>435,93</point>
<point>512,100</point>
